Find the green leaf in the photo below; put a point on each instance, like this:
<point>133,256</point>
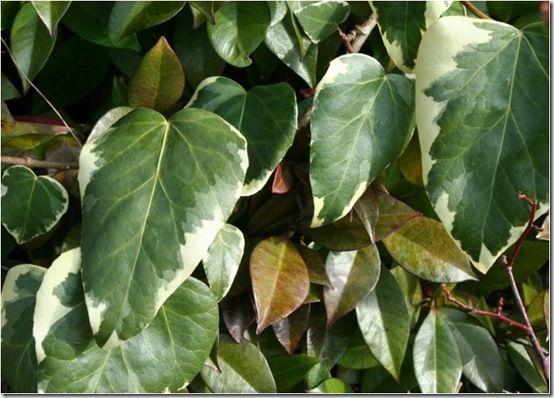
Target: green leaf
<point>522,361</point>
<point>384,320</point>
<point>279,279</point>
<point>290,330</point>
<point>477,155</point>
<point>368,133</point>
<point>128,17</point>
<point>320,19</point>
<point>238,30</point>
<point>290,370</point>
<point>9,91</point>
<point>190,176</point>
<point>437,362</point>
<point>423,247</point>
<point>159,80</point>
<point>242,369</point>
<point>265,115</point>
<point>8,11</point>
<point>32,205</point>
<point>207,8</point>
<point>332,386</point>
<point>195,51</point>
<point>51,12</point>
<point>402,25</point>
<point>353,275</point>
<point>278,10</point>
<point>222,260</point>
<point>357,354</point>
<point>164,357</point>
<point>508,11</point>
<point>108,120</point>
<point>31,44</point>
<point>348,233</point>
<point>19,367</point>
<point>315,265</point>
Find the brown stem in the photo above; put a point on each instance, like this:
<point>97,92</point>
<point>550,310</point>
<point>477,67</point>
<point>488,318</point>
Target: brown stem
<point>355,39</point>
<point>34,163</point>
<point>474,10</point>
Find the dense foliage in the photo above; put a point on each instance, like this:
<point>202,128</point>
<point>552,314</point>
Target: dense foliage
<point>356,180</point>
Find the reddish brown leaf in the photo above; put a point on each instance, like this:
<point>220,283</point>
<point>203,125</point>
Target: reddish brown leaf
<point>238,314</point>
<point>283,179</point>
<point>289,330</point>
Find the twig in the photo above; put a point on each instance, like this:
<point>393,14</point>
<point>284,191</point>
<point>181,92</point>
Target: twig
<point>474,10</point>
<point>34,163</point>
<point>355,39</point>
<point>305,119</point>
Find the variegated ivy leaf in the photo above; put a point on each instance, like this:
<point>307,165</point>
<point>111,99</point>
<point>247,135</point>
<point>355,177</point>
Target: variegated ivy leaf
<point>155,194</point>
<point>482,116</point>
<point>31,205</point>
<point>320,19</point>
<point>265,115</point>
<point>164,357</point>
<point>402,24</point>
<point>362,120</point>
<point>19,365</point>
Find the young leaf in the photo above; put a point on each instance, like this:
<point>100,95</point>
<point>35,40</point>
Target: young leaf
<point>279,279</point>
<point>437,362</point>
<point>182,333</point>
<point>51,12</point>
<point>242,369</point>
<point>32,205</point>
<point>265,115</point>
<point>31,43</point>
<point>353,275</point>
<point>222,260</point>
<point>19,367</point>
<point>290,370</point>
<point>238,30</point>
<point>180,216</point>
<point>423,247</point>
<point>384,320</point>
<point>320,19</point>
<point>290,330</point>
<point>477,156</point>
<point>369,132</point>
<point>159,80</point>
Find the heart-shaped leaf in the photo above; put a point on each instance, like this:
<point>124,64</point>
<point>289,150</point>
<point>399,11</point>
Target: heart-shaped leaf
<point>190,176</point>
<point>51,12</point>
<point>182,333</point>
<point>477,155</point>
<point>279,279</point>
<point>368,133</point>
<point>320,19</point>
<point>265,115</point>
<point>32,205</point>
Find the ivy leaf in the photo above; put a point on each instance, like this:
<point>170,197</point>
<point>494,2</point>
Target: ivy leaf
<point>181,214</point>
<point>423,247</point>
<point>477,155</point>
<point>522,361</point>
<point>128,17</point>
<point>222,260</point>
<point>353,275</point>
<point>18,305</point>
<point>51,13</point>
<point>265,115</point>
<point>289,330</point>
<point>242,369</point>
<point>238,30</point>
<point>369,132</point>
<point>159,80</point>
<point>437,362</point>
<point>320,19</point>
<point>279,279</point>
<point>182,333</point>
<point>402,25</point>
<point>332,386</point>
<point>32,205</point>
<point>31,43</point>
<point>290,370</point>
<point>384,320</point>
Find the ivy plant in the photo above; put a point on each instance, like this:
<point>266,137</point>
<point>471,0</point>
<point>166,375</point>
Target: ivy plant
<point>239,197</point>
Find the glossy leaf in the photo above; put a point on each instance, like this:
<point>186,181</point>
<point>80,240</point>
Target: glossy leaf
<point>238,30</point>
<point>163,357</point>
<point>159,80</point>
<point>238,314</point>
<point>522,361</point>
<point>31,43</point>
<point>222,260</point>
<point>103,124</point>
<point>9,91</point>
<point>423,247</point>
<point>437,362</point>
<point>384,320</point>
<point>290,370</point>
<point>332,386</point>
<point>369,133</point>
<point>476,155</point>
<point>348,233</point>
<point>279,279</point>
<point>357,355</point>
<point>278,10</point>
<point>290,330</point>
<point>242,369</point>
<point>32,205</point>
<point>180,216</point>
<point>320,19</point>
<point>51,12</point>
<point>353,275</point>
<point>265,115</point>
<point>207,8</point>
<point>315,265</point>
<point>19,367</point>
